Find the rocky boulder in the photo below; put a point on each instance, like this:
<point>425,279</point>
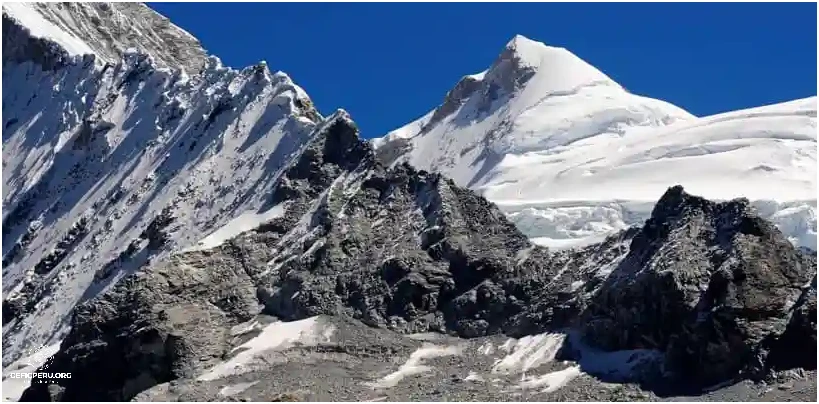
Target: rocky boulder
<point>711,284</point>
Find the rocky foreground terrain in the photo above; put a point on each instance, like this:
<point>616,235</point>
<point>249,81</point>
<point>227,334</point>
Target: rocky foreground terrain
<point>396,284</point>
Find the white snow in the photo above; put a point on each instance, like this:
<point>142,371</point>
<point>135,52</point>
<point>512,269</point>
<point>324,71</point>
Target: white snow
<point>571,156</point>
<point>244,222</point>
<point>566,72</point>
<point>274,336</point>
<point>478,76</point>
<point>473,377</point>
<point>487,348</point>
<point>712,156</point>
<point>233,389</point>
<point>42,28</point>
<point>551,381</point>
<point>13,388</point>
<point>159,152</point>
<point>528,352</point>
<point>576,285</point>
<point>524,357</point>
<point>413,365</point>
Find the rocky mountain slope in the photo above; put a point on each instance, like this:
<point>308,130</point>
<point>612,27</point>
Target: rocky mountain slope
<point>110,29</point>
<point>212,231</point>
<point>108,166</point>
<point>702,286</point>
<point>571,156</point>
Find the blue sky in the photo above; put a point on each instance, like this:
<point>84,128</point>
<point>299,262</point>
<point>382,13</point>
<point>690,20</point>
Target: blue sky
<point>389,63</point>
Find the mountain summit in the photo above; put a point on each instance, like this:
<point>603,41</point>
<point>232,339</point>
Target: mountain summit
<point>570,155</point>
<point>560,70</point>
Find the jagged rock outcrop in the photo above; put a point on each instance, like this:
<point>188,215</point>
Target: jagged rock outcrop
<point>796,347</point>
<point>410,251</point>
<point>109,30</point>
<point>711,284</point>
<point>19,46</point>
<point>110,165</point>
<point>157,326</point>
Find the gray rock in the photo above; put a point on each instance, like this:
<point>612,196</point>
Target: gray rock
<point>405,251</point>
<point>711,284</point>
<point>110,30</point>
<point>796,348</point>
<point>20,46</point>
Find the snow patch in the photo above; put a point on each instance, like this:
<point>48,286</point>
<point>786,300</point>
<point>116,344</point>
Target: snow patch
<point>486,349</point>
<point>473,377</point>
<point>242,223</point>
<point>14,388</point>
<point>413,365</point>
<point>576,285</point>
<point>274,337</point>
<point>233,389</point>
<point>525,355</point>
<point>42,28</point>
<point>551,382</point>
<point>528,352</point>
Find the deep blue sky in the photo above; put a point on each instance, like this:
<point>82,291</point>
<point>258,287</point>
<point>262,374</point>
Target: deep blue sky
<point>389,63</point>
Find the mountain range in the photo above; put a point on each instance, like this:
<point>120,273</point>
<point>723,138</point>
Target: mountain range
<point>537,234</point>
<point>571,155</point>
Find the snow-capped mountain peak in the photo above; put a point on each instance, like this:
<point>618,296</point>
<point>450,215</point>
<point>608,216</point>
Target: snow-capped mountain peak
<point>571,155</point>
<point>550,69</point>
<point>527,72</point>
<point>533,98</point>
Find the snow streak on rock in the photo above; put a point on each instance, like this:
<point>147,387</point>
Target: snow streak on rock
<point>109,29</point>
<point>109,166</point>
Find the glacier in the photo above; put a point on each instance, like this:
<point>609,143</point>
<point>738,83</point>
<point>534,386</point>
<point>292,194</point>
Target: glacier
<point>571,156</point>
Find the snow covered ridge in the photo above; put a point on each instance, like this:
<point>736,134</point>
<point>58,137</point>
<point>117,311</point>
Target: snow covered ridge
<point>571,156</point>
<point>108,166</point>
<point>109,29</point>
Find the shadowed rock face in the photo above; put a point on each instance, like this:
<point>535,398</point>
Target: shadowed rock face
<point>796,348</point>
<point>110,29</point>
<point>19,46</point>
<point>92,191</point>
<point>711,284</point>
<point>719,290</point>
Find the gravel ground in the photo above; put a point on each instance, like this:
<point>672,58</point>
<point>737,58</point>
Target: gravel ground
<point>358,362</point>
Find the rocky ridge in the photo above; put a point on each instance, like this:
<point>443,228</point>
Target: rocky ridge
<point>110,30</point>
<point>129,161</point>
<point>409,252</point>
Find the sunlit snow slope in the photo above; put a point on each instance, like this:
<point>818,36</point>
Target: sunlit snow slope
<point>109,29</point>
<point>571,156</point>
<point>108,166</point>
